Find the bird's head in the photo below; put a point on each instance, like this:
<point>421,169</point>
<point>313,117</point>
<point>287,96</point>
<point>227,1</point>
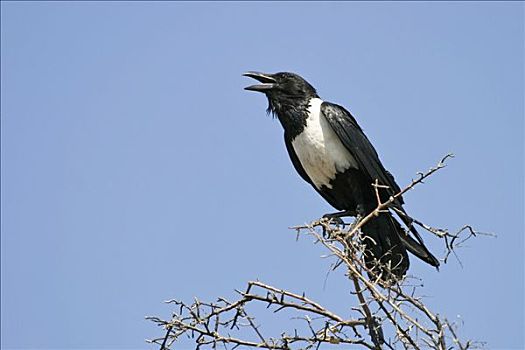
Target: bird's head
<point>281,89</point>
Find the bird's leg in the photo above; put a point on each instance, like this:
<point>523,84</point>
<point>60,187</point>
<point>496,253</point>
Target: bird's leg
<point>358,213</point>
<point>337,216</point>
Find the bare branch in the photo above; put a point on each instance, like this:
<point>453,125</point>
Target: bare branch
<point>390,313</point>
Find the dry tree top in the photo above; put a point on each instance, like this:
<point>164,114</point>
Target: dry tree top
<point>384,315</point>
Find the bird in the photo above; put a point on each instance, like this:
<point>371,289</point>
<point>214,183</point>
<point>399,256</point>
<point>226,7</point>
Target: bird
<point>331,152</point>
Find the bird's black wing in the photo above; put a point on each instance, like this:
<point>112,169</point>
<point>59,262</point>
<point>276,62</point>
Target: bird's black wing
<point>353,138</point>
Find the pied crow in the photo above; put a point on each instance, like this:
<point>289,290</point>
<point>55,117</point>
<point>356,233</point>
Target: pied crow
<point>330,151</point>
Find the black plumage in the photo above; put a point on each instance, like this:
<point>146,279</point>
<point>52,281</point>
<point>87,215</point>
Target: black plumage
<point>330,151</point>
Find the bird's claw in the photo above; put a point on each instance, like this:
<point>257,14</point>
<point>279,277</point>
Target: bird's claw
<point>335,221</point>
<point>332,220</point>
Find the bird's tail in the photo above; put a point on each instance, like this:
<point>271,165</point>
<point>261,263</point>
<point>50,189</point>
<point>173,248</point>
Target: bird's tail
<point>386,245</point>
<point>416,246</point>
<point>385,253</point>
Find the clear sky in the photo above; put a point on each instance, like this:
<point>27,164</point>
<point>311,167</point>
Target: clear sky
<point>136,169</point>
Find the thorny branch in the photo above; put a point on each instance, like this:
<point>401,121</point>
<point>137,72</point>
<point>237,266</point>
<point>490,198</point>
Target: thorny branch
<point>386,315</point>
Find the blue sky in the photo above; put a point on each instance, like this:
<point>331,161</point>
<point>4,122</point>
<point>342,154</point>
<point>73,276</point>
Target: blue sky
<point>136,169</point>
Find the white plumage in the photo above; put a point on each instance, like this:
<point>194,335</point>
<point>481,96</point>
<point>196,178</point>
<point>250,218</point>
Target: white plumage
<point>320,151</point>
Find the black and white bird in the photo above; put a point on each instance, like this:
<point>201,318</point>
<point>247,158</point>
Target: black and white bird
<point>330,151</point>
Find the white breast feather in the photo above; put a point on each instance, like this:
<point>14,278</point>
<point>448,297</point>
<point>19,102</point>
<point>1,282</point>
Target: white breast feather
<point>319,150</point>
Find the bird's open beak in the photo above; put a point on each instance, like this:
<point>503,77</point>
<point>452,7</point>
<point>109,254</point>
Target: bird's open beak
<point>267,82</point>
